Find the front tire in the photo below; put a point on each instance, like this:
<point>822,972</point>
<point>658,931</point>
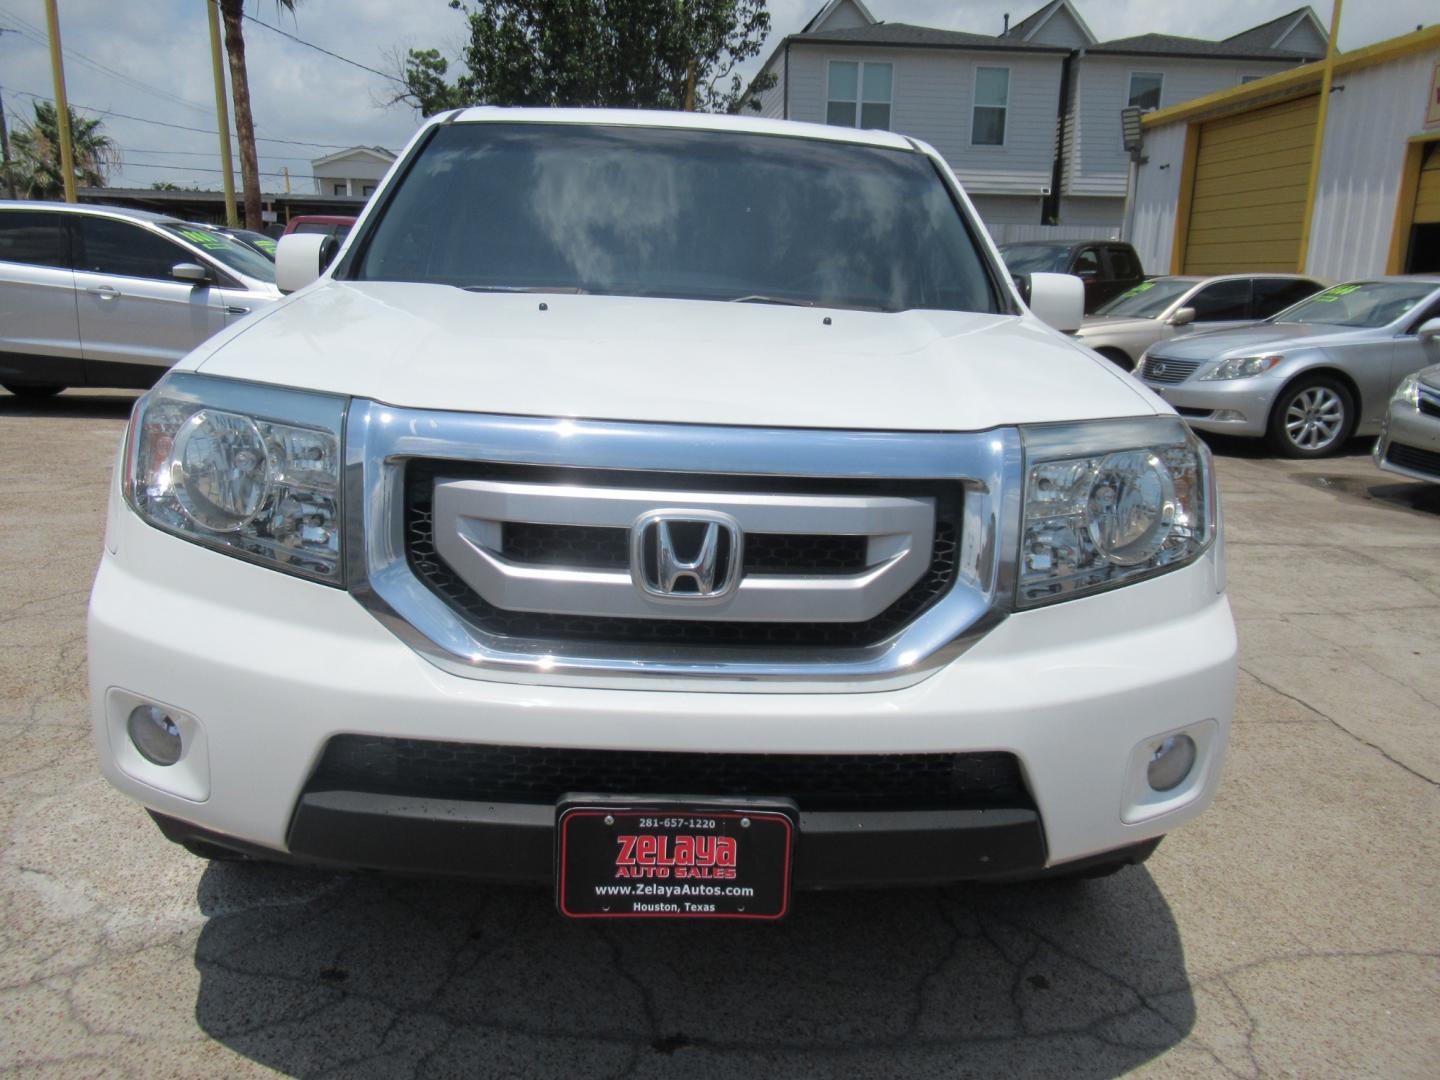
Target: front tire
<point>32,393</point>
<point>1312,418</point>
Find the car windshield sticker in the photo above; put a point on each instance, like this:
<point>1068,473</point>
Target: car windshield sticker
<point>266,245</point>
<point>1138,289</point>
<point>208,240</point>
<point>1334,294</point>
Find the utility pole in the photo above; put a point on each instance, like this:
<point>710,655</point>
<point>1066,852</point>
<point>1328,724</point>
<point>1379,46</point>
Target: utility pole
<point>62,106</point>
<point>222,114</point>
<point>5,143</point>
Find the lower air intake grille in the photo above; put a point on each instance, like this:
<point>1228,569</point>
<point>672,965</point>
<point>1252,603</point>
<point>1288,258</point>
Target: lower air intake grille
<point>524,774</point>
<point>1411,457</point>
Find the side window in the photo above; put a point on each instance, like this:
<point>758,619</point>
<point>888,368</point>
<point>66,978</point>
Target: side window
<point>1087,264</point>
<point>108,246</point>
<point>1123,266</point>
<point>28,236</point>
<point>1223,300</point>
<point>1432,311</point>
<point>1274,295</point>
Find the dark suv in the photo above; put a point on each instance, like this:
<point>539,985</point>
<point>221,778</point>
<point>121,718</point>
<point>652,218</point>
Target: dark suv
<point>1107,267</point>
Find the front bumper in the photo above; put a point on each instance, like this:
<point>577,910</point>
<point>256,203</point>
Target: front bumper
<point>1409,444</point>
<point>267,668</point>
<point>1229,407</point>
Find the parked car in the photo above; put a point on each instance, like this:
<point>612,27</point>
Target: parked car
<point>615,514</point>
<point>1161,307</point>
<point>333,228</point>
<point>101,296</point>
<point>1310,377</point>
<point>1107,267</point>
<point>1409,442</point>
<point>335,225</point>
<point>265,245</point>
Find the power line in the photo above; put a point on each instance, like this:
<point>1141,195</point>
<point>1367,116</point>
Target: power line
<point>207,153</point>
<point>127,166</point>
<point>166,123</point>
<point>327,52</point>
<point>37,36</point>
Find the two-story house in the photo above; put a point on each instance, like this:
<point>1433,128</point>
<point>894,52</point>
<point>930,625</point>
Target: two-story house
<point>1029,118</point>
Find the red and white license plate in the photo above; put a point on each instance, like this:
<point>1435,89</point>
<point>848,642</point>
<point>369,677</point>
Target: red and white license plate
<point>677,861</point>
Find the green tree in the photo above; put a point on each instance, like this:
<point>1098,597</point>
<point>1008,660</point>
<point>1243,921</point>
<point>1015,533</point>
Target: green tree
<point>35,149</point>
<point>624,53</point>
<point>232,14</point>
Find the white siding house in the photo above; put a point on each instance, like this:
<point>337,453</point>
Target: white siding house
<point>355,172</point>
<point>1029,119</point>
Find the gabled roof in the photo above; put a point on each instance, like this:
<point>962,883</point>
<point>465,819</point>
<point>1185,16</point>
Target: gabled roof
<point>379,153</point>
<point>1269,34</point>
<point>829,9</point>
<point>1029,26</point>
<point>1171,45</point>
<point>903,34</point>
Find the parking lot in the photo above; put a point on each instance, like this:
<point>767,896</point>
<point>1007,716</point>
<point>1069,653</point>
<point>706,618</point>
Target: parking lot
<point>1294,930</point>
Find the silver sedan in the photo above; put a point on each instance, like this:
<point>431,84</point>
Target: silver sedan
<point>1312,376</point>
<point>1162,307</point>
<point>1409,443</point>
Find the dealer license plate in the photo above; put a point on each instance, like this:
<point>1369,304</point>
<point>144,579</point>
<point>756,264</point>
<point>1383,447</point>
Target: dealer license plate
<point>673,861</point>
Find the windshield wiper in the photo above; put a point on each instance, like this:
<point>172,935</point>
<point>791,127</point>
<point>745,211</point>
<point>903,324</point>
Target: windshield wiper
<point>760,298</point>
<point>573,290</point>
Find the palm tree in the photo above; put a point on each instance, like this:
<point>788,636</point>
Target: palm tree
<point>233,14</point>
<point>36,149</point>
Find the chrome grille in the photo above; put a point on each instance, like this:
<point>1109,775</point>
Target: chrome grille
<point>1429,401</point>
<point>670,630</point>
<point>1163,370</point>
<point>931,517</point>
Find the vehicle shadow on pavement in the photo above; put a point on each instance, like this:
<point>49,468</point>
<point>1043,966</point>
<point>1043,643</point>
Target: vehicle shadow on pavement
<point>368,975</point>
<point>114,406</point>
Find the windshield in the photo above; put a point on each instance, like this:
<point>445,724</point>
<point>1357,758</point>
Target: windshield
<point>1036,258</point>
<point>1367,303</point>
<point>259,241</point>
<point>226,250</point>
<point>707,215</point>
<point>1148,300</point>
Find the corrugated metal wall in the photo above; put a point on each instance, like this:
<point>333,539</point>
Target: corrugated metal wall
<point>1365,138</point>
<point>1157,189</point>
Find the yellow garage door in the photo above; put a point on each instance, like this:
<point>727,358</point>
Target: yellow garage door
<point>1427,196</point>
<point>1251,171</point>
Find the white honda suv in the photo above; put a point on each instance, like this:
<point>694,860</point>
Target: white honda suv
<point>680,510</point>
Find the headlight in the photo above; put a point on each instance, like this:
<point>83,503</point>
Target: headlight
<point>1408,392</point>
<point>1242,367</point>
<point>251,470</point>
<point>1111,502</point>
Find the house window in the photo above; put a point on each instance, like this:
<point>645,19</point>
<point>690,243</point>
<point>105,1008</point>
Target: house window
<point>1145,89</point>
<point>992,99</point>
<point>858,94</point>
<point>367,190</point>
<point>338,189</point>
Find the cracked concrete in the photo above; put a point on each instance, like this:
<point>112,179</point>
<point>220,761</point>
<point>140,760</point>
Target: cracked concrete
<point>1294,930</point>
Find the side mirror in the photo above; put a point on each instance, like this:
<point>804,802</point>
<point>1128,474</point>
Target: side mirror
<point>1057,299</point>
<point>191,272</point>
<point>298,260</point>
<point>1429,330</point>
<point>1182,317</point>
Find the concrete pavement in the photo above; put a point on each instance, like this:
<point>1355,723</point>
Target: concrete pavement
<point>1295,930</point>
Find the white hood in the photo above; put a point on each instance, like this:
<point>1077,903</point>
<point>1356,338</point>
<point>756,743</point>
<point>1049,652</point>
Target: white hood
<point>677,361</point>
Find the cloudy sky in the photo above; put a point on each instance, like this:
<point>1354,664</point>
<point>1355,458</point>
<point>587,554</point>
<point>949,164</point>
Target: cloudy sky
<point>145,66</point>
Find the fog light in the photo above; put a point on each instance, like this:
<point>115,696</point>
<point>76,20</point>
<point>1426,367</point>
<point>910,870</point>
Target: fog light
<point>154,734</point>
<point>1171,760</point>
<point>1228,416</point>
